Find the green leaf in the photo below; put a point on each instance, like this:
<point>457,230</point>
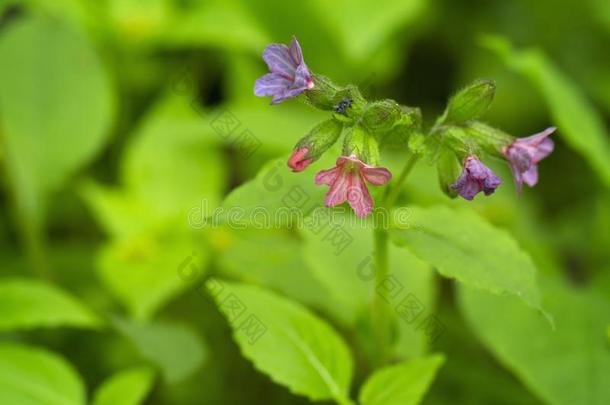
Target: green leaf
<point>578,122</point>
<point>128,387</point>
<point>26,304</point>
<point>171,168</point>
<point>33,376</point>
<point>55,120</point>
<point>143,271</point>
<point>285,341</point>
<point>401,384</point>
<point>346,270</point>
<point>221,23</point>
<point>569,365</point>
<point>175,349</point>
<point>363,26</point>
<point>270,258</point>
<point>461,245</point>
<point>173,164</point>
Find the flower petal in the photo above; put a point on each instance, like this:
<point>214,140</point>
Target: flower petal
<point>279,60</point>
<point>338,190</point>
<point>376,175</point>
<point>327,176</point>
<point>302,78</point>
<point>271,84</point>
<point>530,176</point>
<point>358,195</point>
<point>536,139</point>
<point>544,149</point>
<point>295,51</point>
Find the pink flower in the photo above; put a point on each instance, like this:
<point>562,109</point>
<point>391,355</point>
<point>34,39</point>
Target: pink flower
<point>298,160</point>
<point>347,181</point>
<point>476,177</point>
<point>525,153</point>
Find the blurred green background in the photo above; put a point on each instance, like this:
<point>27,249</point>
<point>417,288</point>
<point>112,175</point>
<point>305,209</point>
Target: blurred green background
<point>107,142</point>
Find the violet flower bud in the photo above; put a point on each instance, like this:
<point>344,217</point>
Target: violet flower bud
<point>476,177</point>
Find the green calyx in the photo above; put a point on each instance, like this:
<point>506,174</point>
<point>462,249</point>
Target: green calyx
<point>448,168</point>
<point>320,138</point>
<point>358,141</point>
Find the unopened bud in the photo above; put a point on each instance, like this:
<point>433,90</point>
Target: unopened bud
<point>314,144</point>
<point>381,116</point>
<point>470,103</point>
<point>348,104</point>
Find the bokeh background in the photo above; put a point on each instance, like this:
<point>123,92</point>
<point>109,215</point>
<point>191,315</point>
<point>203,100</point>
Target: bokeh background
<point>108,141</point>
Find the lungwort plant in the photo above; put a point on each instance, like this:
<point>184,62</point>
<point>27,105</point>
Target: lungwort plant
<point>301,351</point>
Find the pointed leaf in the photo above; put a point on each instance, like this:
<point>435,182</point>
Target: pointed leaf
<point>569,365</point>
<point>26,304</point>
<point>174,348</point>
<point>405,383</point>
<point>461,245</point>
<point>128,387</point>
<point>285,341</point>
<point>32,376</point>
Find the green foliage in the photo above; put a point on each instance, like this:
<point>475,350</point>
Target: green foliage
<point>401,384</point>
<point>462,246</point>
<point>294,347</point>
<point>175,349</point>
<point>114,158</point>
<point>375,22</point>
<point>56,106</point>
<point>576,351</point>
<point>26,304</point>
<point>348,277</point>
<point>33,376</point>
<point>127,387</point>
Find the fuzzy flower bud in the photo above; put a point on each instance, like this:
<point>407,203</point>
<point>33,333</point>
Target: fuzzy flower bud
<point>470,103</point>
<point>314,144</point>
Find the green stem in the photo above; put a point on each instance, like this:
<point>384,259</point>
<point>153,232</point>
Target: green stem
<point>381,315</point>
<point>393,191</point>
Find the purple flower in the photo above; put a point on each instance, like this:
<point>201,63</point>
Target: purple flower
<point>476,177</point>
<point>525,153</point>
<point>289,75</point>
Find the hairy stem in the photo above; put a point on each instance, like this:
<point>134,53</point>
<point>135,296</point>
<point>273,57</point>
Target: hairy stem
<point>381,315</point>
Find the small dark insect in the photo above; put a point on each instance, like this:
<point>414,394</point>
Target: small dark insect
<point>343,105</point>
